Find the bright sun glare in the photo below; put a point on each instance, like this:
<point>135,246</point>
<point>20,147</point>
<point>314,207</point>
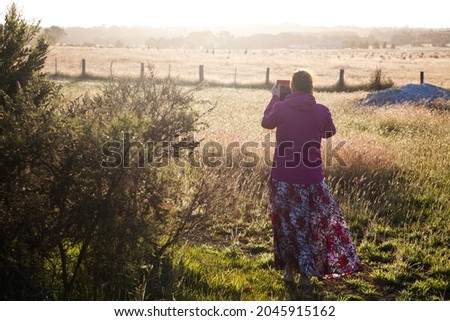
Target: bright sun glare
<point>235,13</point>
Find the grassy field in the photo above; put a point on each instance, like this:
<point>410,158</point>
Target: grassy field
<point>393,189</point>
<point>402,65</point>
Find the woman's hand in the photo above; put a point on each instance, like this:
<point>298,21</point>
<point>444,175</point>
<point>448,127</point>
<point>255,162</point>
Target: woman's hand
<point>276,91</point>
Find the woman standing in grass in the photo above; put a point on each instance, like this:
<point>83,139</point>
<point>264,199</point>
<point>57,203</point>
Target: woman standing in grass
<point>310,232</point>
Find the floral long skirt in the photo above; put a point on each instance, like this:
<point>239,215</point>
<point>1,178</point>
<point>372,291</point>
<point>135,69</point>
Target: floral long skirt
<point>310,232</point>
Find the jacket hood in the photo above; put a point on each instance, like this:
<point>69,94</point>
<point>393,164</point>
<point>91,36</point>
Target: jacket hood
<point>301,101</point>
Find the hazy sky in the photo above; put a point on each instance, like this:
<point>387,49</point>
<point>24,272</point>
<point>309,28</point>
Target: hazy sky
<point>235,13</point>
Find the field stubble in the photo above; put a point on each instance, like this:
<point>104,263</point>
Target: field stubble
<point>402,65</point>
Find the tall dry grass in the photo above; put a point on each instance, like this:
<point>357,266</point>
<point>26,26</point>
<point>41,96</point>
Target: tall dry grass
<point>393,190</point>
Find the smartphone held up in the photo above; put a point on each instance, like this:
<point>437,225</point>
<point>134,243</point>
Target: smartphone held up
<point>285,88</point>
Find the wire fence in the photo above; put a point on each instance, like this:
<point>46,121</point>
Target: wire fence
<point>377,80</point>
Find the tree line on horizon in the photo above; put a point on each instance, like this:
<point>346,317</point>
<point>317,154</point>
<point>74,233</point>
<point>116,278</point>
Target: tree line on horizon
<point>122,37</point>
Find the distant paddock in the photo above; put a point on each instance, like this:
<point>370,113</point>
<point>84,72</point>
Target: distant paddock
<point>402,65</point>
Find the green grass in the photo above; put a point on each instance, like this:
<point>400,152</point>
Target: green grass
<point>394,192</point>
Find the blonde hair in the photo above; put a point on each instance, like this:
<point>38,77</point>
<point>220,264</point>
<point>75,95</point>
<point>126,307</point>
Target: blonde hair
<point>302,81</point>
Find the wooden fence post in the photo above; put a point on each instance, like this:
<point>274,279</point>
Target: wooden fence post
<point>142,70</point>
<point>235,75</point>
<point>378,80</point>
<point>83,67</point>
<point>56,66</point>
<point>201,72</point>
<point>169,71</point>
<point>422,77</point>
<point>267,76</point>
<point>341,82</point>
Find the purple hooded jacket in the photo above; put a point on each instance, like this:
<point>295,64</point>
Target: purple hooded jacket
<point>300,125</point>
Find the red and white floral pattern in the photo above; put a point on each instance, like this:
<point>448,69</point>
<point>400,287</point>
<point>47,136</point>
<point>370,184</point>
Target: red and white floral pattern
<point>310,232</point>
